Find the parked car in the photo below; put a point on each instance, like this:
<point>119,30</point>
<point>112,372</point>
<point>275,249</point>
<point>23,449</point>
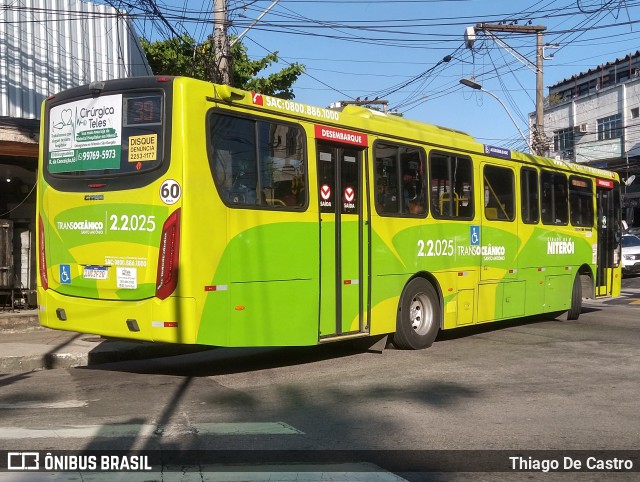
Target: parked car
<point>630,254</point>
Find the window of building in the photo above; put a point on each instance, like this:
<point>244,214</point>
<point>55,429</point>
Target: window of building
<point>554,198</point>
<point>561,95</point>
<point>607,79</point>
<point>584,88</point>
<point>635,112</point>
<point>580,201</point>
<point>529,195</point>
<point>623,75</point>
<point>400,182</point>
<point>563,140</point>
<point>451,188</point>
<point>610,127</point>
<point>258,162</point>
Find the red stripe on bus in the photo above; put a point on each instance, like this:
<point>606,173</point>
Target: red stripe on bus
<point>604,183</point>
<point>341,135</point>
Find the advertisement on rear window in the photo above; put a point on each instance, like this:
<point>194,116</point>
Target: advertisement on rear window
<point>85,135</point>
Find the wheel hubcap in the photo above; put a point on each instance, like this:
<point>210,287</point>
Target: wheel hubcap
<point>420,314</point>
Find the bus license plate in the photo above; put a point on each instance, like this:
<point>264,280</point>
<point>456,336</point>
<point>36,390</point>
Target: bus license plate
<point>95,272</point>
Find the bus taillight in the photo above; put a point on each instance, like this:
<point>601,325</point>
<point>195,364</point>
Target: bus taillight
<point>168,256</point>
<point>42,255</point>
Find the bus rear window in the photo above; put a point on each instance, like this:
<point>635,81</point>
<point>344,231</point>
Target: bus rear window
<point>106,135</point>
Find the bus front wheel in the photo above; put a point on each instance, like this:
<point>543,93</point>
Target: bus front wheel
<point>417,322</point>
<point>576,299</point>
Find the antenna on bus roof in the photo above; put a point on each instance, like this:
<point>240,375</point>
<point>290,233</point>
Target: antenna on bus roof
<point>364,103</point>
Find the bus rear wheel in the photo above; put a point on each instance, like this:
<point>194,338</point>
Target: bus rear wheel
<point>417,322</point>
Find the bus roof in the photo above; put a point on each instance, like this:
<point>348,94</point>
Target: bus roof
<point>393,126</point>
<point>359,119</point>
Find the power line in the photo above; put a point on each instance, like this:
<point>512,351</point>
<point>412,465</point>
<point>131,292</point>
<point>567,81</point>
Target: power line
<point>575,23</point>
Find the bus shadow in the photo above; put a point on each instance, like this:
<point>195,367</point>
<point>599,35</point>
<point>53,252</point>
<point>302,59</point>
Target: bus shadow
<point>216,361</point>
<point>227,361</point>
<point>590,309</point>
<point>489,327</point>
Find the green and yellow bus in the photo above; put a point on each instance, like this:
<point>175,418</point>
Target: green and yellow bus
<point>176,210</point>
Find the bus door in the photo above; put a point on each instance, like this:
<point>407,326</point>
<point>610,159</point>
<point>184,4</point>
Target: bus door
<point>499,238</point>
<point>343,240</point>
<point>501,294</point>
<point>609,234</point>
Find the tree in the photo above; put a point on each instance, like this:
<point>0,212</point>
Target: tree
<point>184,56</point>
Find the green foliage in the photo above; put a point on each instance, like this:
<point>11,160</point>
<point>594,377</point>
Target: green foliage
<point>553,99</point>
<point>183,56</point>
<point>175,56</point>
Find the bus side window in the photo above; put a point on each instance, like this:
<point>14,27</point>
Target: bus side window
<point>234,158</point>
<point>287,193</point>
<point>282,165</point>
<point>386,198</point>
<point>581,201</point>
<point>257,162</point>
<point>244,184</point>
<point>529,195</point>
<point>451,186</point>
<point>414,184</point>
<point>554,200</point>
<point>498,192</point>
<point>400,180</point>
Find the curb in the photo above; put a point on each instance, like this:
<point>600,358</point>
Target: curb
<point>12,321</point>
<point>21,364</point>
<point>107,351</point>
<point>26,346</point>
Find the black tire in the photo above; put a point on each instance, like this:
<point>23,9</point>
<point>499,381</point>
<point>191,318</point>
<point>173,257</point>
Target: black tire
<point>576,299</point>
<point>418,319</point>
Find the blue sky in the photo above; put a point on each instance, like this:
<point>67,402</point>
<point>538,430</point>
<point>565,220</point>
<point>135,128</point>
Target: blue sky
<point>394,49</point>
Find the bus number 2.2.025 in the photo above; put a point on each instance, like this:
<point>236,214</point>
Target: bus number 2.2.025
<point>439,247</point>
<point>132,223</point>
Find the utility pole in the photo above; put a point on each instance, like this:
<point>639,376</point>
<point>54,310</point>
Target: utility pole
<point>539,138</point>
<point>540,143</point>
<point>222,67</point>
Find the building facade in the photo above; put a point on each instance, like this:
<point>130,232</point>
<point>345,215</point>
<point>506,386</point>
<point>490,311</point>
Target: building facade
<point>594,118</point>
<point>46,46</point>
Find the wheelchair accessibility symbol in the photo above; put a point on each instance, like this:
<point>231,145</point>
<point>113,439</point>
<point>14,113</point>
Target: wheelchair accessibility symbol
<point>65,274</point>
<point>475,235</point>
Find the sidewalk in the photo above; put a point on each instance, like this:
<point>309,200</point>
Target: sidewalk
<point>26,346</point>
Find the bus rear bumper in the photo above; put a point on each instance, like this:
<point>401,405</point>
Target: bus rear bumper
<point>170,320</point>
